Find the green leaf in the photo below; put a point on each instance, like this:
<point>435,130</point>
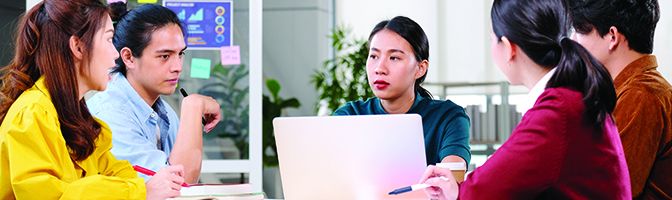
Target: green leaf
<point>273,86</point>
<point>343,78</point>
<point>290,103</point>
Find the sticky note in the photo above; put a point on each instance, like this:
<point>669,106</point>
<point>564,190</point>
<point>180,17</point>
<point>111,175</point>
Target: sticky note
<point>147,1</point>
<point>200,68</point>
<point>230,55</point>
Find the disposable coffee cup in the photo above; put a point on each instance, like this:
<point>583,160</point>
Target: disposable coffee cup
<point>458,169</point>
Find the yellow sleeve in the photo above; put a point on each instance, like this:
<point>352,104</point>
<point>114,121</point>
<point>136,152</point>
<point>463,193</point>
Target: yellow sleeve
<point>116,180</point>
<point>108,164</point>
<point>40,167</point>
<point>105,187</point>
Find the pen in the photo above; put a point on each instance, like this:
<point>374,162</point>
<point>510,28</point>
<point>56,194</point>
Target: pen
<point>184,94</point>
<point>409,188</point>
<point>413,187</point>
<point>149,172</point>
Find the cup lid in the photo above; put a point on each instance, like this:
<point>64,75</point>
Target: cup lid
<point>452,165</point>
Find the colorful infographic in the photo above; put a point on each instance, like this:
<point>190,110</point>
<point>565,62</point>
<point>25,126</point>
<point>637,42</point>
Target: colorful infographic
<point>209,24</point>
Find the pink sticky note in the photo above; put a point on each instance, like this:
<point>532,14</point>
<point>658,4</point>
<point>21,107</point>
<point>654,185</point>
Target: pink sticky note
<point>230,55</point>
<point>112,1</point>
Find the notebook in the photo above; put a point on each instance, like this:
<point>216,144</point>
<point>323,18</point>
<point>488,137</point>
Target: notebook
<point>219,191</point>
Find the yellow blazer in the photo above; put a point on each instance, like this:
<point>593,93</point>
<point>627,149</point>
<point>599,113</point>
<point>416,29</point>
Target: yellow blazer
<point>35,163</point>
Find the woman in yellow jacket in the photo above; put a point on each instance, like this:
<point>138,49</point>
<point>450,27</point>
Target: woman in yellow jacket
<point>50,145</point>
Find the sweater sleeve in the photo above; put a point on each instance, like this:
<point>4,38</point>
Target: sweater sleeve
<point>639,118</point>
<point>530,159</point>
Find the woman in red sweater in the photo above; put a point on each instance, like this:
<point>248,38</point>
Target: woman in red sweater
<point>567,145</point>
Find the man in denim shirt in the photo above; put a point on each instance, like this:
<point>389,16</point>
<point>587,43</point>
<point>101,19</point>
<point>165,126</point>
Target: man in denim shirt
<point>146,131</point>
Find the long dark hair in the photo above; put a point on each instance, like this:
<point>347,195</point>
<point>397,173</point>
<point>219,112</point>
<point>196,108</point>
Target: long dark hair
<point>42,49</point>
<point>414,35</point>
<point>133,29</point>
<point>540,28</point>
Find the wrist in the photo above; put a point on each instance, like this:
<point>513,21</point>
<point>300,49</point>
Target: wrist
<point>191,102</point>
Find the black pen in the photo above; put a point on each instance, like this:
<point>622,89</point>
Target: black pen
<point>184,94</point>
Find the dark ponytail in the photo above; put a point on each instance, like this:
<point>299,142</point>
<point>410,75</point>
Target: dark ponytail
<point>133,29</point>
<point>540,28</point>
<point>415,36</point>
<point>580,70</point>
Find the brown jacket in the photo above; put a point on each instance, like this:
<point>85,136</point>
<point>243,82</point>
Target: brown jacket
<point>643,115</point>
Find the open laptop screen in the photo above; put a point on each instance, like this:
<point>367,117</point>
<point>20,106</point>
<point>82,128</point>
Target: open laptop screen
<point>350,157</point>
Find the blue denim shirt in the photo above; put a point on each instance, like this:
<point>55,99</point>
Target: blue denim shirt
<point>134,124</point>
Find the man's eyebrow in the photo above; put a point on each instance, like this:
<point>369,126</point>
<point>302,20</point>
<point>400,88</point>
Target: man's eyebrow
<point>165,51</point>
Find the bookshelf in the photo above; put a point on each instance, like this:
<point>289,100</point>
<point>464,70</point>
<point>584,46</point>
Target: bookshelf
<point>491,122</point>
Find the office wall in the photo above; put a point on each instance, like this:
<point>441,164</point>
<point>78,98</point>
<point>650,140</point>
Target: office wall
<point>662,46</point>
<point>464,42</point>
<point>295,45</point>
<point>31,3</point>
<point>10,11</point>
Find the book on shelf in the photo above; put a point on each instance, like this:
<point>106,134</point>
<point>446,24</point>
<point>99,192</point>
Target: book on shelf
<point>473,111</point>
<point>492,123</point>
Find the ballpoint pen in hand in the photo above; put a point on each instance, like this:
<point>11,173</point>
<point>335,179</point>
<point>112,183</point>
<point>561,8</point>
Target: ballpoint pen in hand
<point>149,172</point>
<point>413,187</point>
<point>184,94</point>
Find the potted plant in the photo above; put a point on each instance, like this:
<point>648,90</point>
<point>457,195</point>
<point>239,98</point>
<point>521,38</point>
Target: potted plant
<point>342,78</point>
<point>273,106</point>
<point>228,86</point>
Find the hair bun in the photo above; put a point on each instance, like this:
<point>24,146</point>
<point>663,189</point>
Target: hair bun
<point>118,10</point>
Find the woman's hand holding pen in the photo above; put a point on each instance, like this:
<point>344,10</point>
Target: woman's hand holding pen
<point>166,183</point>
<point>442,182</point>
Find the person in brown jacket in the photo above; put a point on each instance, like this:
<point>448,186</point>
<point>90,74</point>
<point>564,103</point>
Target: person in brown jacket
<point>619,34</point>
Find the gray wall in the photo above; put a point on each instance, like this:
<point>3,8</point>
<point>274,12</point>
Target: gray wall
<point>9,14</point>
<point>295,45</point>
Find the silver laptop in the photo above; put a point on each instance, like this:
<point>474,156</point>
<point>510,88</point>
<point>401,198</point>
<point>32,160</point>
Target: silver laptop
<point>350,157</point>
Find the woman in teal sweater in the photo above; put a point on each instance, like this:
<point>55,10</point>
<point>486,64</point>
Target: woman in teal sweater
<point>396,66</point>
